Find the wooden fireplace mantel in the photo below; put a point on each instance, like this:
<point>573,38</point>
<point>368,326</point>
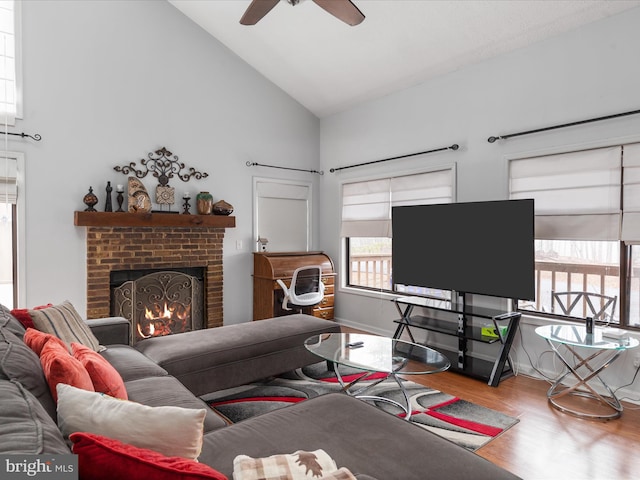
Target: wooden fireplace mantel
<point>126,219</point>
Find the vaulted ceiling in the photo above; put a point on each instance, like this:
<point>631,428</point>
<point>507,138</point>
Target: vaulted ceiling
<point>329,66</point>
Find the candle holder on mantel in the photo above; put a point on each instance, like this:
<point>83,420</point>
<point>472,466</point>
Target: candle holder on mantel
<point>120,197</point>
<point>185,203</point>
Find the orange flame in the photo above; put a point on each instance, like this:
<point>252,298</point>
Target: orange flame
<point>165,322</point>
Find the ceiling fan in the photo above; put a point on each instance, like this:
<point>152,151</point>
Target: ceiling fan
<point>344,10</point>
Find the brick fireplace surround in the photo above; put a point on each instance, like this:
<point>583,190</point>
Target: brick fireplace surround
<point>150,241</point>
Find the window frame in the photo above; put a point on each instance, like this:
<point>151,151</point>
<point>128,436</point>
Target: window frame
<point>19,232</point>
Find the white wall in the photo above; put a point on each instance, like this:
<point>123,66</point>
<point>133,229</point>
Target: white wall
<point>105,83</point>
<point>586,73</point>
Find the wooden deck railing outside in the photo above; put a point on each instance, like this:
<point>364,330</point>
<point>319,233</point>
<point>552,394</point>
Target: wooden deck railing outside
<point>374,271</point>
<point>371,270</point>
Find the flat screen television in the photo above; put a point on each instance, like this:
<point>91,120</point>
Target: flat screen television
<point>482,248</point>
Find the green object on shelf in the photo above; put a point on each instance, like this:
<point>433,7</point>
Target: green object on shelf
<point>490,331</point>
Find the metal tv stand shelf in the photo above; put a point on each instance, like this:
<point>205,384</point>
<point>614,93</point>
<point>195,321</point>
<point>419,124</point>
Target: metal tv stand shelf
<point>456,320</point>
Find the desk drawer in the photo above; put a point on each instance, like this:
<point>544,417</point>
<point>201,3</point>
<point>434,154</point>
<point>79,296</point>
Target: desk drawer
<point>326,313</point>
<point>327,301</point>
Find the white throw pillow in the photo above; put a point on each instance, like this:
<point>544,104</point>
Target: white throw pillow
<point>172,431</point>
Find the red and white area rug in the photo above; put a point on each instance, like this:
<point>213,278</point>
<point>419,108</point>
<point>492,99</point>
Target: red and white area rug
<point>461,422</point>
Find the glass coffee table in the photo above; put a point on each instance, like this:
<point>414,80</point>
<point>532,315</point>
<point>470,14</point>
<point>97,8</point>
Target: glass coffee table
<point>585,356</point>
<point>374,354</point>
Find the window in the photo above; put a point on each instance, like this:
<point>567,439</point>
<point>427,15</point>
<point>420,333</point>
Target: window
<point>8,197</point>
<point>587,221</point>
<point>10,164</point>
<point>8,60</point>
<point>366,221</point>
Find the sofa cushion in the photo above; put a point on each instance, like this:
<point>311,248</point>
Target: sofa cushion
<point>25,425</point>
<point>167,391</point>
<point>131,364</point>
<point>172,431</point>
<point>23,316</point>
<point>354,434</point>
<point>65,322</point>
<point>36,340</point>
<point>10,322</point>
<point>103,458</point>
<point>60,367</point>
<point>18,362</point>
<point>217,358</point>
<point>104,377</point>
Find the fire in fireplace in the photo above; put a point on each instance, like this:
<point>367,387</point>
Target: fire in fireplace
<point>158,302</point>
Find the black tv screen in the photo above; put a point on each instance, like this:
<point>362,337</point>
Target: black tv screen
<point>484,248</point>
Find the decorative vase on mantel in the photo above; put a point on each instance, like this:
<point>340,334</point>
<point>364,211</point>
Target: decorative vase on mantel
<point>204,203</point>
<point>222,208</point>
<point>90,200</point>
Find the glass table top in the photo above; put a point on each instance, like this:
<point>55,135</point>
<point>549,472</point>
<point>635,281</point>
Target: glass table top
<point>377,354</point>
<point>576,335</point>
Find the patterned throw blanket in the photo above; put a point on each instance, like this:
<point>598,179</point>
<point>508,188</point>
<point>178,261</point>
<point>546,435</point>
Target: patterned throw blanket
<point>316,465</point>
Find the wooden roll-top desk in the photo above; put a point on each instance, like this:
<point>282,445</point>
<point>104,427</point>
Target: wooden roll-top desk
<point>268,267</point>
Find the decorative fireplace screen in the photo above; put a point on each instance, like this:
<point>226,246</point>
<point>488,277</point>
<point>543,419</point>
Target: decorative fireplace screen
<point>160,303</point>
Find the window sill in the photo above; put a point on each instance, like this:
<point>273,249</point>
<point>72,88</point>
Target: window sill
<point>369,293</point>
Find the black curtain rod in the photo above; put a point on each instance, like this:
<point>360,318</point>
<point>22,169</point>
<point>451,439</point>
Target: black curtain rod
<point>35,137</point>
<point>581,122</point>
<point>256,164</point>
<point>455,146</point>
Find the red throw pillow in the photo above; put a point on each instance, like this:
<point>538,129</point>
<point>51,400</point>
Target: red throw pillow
<point>60,367</point>
<point>104,458</point>
<point>22,314</point>
<point>36,340</point>
<point>105,378</point>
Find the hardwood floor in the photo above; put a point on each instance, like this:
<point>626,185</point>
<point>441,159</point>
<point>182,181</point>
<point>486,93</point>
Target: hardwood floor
<point>546,443</point>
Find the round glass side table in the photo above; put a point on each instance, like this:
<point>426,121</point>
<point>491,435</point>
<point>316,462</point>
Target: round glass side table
<point>585,355</point>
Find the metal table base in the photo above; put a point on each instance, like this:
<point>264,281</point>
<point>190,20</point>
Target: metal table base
<point>348,388</point>
<point>584,371</point>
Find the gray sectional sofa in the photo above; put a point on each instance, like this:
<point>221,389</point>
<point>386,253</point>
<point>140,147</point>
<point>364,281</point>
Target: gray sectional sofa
<point>177,369</point>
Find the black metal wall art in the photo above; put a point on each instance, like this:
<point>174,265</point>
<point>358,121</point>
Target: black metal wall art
<point>163,165</point>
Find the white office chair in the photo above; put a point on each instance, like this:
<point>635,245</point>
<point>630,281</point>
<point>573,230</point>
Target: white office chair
<point>306,288</point>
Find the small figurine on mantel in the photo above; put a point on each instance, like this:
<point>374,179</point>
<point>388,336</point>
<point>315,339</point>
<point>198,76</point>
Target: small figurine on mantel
<point>108,207</point>
<point>90,200</point>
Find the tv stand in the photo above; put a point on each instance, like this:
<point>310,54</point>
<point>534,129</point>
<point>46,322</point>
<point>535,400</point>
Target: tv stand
<point>456,319</point>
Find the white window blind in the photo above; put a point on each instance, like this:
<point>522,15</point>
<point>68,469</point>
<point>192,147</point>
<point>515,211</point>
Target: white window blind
<point>8,180</point>
<point>631,195</point>
<point>7,63</point>
<point>366,205</point>
<point>365,209</point>
<point>577,195</point>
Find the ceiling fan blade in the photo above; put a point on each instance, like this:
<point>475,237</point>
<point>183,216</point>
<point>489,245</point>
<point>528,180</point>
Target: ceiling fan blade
<point>257,10</point>
<point>343,10</point>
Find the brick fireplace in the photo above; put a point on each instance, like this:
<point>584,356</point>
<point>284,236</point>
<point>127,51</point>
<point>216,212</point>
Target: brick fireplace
<point>126,241</point>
